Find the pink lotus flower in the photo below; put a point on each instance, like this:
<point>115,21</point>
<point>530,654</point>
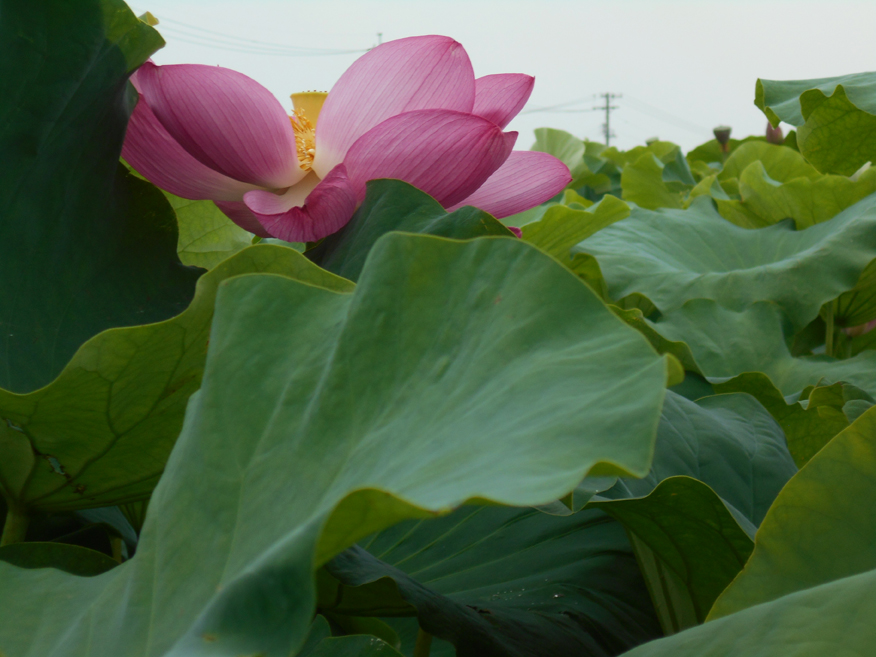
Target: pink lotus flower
<point>408,109</point>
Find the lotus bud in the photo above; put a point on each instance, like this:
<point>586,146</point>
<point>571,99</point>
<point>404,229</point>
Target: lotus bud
<point>722,135</point>
<point>774,135</point>
<point>855,331</point>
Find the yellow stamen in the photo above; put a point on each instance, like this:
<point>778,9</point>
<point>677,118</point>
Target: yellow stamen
<point>305,138</point>
<point>307,107</point>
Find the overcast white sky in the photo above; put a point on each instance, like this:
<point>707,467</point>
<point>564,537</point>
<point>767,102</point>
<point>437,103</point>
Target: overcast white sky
<point>683,67</point>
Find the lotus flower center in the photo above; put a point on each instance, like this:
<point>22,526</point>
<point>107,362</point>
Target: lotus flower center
<point>307,107</point>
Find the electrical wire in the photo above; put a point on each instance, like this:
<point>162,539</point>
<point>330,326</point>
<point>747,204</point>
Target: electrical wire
<point>551,108</point>
<point>666,117</point>
<point>567,111</point>
<point>199,36</point>
<point>179,25</point>
<point>250,50</point>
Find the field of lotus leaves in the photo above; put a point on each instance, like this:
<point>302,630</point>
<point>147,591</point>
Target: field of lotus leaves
<point>641,423</point>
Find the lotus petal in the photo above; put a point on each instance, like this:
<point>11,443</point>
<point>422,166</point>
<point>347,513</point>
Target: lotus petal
<point>500,97</point>
<point>159,158</point>
<point>426,72</point>
<point>226,120</point>
<point>526,179</point>
<point>446,154</point>
<point>242,216</point>
<point>297,216</point>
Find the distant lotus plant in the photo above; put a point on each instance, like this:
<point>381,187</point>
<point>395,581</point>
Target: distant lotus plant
<point>410,109</point>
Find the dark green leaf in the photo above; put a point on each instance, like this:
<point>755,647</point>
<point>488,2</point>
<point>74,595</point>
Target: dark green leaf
<point>820,528</point>
<point>73,559</point>
<point>673,256</point>
<point>84,246</point>
<point>101,433</point>
<point>393,205</point>
<point>403,399</point>
<point>502,581</point>
<point>835,117</point>
<point>726,343</point>
<point>807,428</point>
<point>718,465</point>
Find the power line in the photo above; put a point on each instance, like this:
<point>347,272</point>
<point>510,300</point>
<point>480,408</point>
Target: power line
<point>554,108</point>
<point>208,42</point>
<point>230,37</point>
<point>199,36</point>
<point>666,117</point>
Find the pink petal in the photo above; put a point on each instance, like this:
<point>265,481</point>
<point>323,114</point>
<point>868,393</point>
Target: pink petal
<point>499,98</point>
<point>226,120</point>
<point>446,154</point>
<point>242,216</point>
<point>526,179</point>
<point>157,156</point>
<point>861,329</point>
<point>268,203</point>
<point>426,72</point>
<point>514,229</point>
<point>325,210</point>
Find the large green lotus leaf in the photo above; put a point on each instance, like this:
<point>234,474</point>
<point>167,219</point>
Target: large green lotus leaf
<point>654,176</point>
<point>689,546</point>
<point>569,199</point>
<point>806,201</point>
<point>404,399</point>
<point>600,175</point>
<point>69,558</point>
<point>564,146</point>
<point>726,343</point>
<point>206,235</point>
<point>394,205</point>
<point>858,305</point>
<point>503,581</point>
<point>728,441</point>
<point>672,256</point>
<point>710,152</point>
<point>635,318</point>
<point>353,646</point>
<point>718,465</point>
<point>836,118</point>
<point>321,643</point>
<point>101,432</point>
<point>562,227</point>
<point>642,184</point>
<point>832,619</point>
<point>824,412</point>
<point>783,164</point>
<point>820,528</point>
<point>780,100</point>
<point>84,246</point>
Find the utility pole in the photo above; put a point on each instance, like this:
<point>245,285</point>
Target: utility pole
<point>606,127</point>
